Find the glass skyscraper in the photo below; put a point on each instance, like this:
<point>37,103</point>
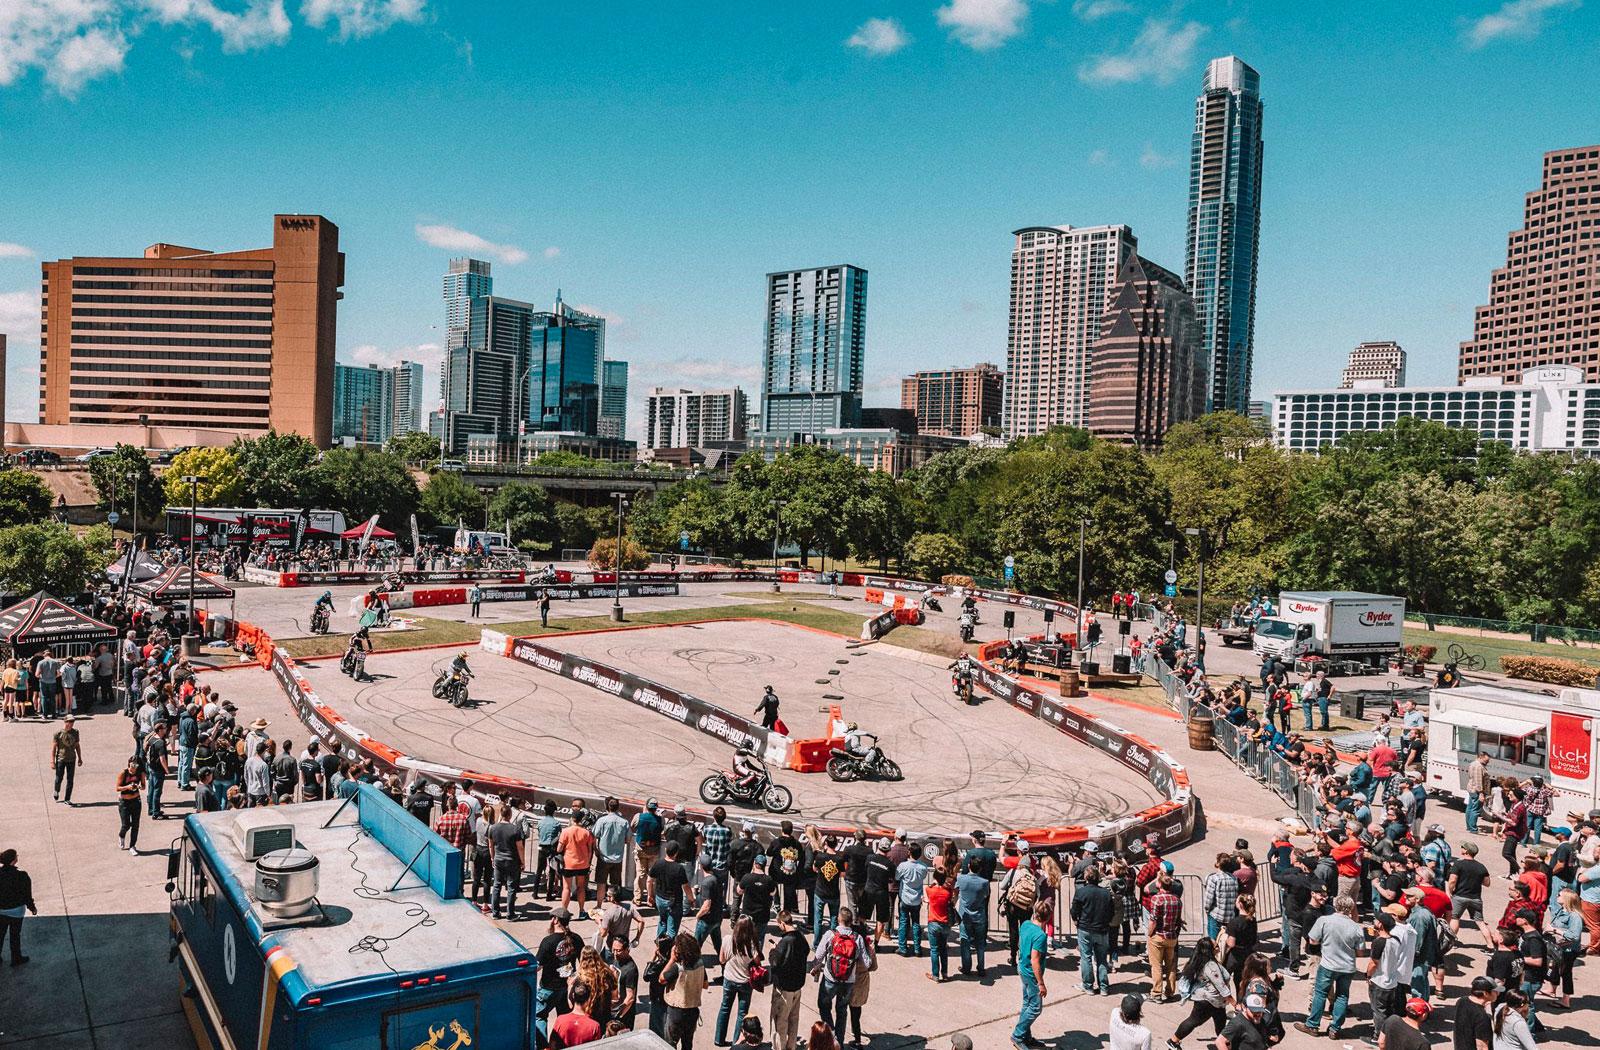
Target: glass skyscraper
<point>814,350</point>
<point>1224,226</point>
<point>614,399</point>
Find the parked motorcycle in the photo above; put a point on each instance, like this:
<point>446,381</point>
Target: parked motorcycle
<point>844,767</point>
<point>448,687</point>
<point>723,785</point>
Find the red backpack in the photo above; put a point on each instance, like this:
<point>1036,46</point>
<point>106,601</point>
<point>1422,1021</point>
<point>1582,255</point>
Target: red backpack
<point>842,959</point>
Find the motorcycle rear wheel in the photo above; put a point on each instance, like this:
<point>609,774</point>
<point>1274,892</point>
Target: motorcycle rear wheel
<point>777,799</point>
<point>842,769</point>
<point>713,790</point>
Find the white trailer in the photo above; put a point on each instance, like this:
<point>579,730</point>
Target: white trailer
<point>1524,732</point>
<point>1335,625</point>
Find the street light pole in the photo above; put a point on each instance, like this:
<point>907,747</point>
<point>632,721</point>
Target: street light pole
<point>777,506</point>
<point>1172,549</point>
<point>194,498</point>
<point>1200,586</point>
<point>1083,532</point>
<point>616,601</point>
<point>133,537</point>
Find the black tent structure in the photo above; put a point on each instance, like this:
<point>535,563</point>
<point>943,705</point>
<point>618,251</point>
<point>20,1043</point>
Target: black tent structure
<point>44,621</point>
<point>144,567</point>
<point>172,586</point>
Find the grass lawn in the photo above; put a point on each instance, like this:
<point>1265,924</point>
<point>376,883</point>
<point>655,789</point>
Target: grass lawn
<point>440,632</point>
<point>1492,648</point>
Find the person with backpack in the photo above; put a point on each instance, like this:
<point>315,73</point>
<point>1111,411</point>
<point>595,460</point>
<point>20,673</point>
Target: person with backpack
<point>154,750</point>
<point>834,962</point>
<point>1019,890</point>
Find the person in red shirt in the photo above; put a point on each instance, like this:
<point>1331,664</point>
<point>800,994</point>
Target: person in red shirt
<point>937,897</point>
<point>1149,872</point>
<point>1434,899</point>
<point>1348,854</point>
<point>577,1027</point>
<point>1382,759</point>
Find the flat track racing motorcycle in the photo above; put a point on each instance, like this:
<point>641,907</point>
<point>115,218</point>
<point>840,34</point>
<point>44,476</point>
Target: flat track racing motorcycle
<point>844,766</point>
<point>724,785</point>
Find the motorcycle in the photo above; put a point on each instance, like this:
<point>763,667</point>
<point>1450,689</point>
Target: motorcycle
<point>448,687</point>
<point>844,767</point>
<point>319,620</point>
<point>354,664</point>
<point>394,582</point>
<point>966,626</point>
<point>962,685</point>
<point>931,603</point>
<point>723,785</point>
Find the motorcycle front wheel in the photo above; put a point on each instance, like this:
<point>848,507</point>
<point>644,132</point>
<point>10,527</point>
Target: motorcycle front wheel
<point>841,769</point>
<point>890,770</point>
<point>777,799</point>
<point>714,790</point>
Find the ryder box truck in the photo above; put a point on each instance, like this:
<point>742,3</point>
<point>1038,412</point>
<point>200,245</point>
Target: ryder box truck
<point>1333,625</point>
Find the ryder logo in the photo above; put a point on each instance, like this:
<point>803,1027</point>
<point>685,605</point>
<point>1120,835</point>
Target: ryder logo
<point>1376,618</point>
<point>1304,607</point>
<point>1571,744</point>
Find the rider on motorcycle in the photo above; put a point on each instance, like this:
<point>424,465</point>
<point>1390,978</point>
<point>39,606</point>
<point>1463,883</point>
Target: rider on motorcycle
<point>326,599</point>
<point>747,768</point>
<point>459,671</point>
<point>355,652</point>
<point>855,743</point>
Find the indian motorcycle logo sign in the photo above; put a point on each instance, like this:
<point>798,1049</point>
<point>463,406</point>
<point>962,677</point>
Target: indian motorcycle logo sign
<point>1571,744</point>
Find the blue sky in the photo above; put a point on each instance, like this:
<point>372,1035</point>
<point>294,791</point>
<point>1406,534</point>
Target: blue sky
<point>655,161</point>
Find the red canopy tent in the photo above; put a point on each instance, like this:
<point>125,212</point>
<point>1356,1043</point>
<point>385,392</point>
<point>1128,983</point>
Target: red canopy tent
<point>378,533</point>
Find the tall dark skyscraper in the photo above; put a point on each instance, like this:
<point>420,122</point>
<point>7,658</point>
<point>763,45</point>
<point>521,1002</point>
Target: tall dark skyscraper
<point>1224,226</point>
<point>814,351</point>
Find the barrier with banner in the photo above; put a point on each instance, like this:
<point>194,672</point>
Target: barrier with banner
<point>699,715</point>
<point>877,626</point>
<point>328,578</point>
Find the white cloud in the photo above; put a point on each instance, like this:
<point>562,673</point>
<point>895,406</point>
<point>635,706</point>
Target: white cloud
<point>983,24</point>
<point>1516,18</point>
<point>453,240</point>
<point>1094,10</point>
<point>551,252</point>
<point>1160,52</point>
<point>19,316</point>
<point>1101,158</point>
<point>259,24</point>
<point>73,42</point>
<point>1154,158</point>
<point>695,368</point>
<point>879,36</point>
<point>359,18</point>
<point>12,250</point>
<point>429,354</point>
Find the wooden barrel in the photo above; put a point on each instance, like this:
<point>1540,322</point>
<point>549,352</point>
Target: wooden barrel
<point>1069,683</point>
<point>1201,735</point>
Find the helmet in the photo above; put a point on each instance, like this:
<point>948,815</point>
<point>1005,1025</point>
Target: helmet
<point>769,688</point>
<point>327,594</point>
<point>851,727</point>
<point>463,656</point>
<point>744,749</point>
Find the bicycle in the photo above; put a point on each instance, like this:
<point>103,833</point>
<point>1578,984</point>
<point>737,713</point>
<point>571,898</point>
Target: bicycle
<point>1463,659</point>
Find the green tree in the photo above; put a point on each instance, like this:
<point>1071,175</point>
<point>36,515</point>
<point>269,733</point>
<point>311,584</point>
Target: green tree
<point>115,477</point>
<point>449,498</point>
<point>878,519</point>
<point>220,484</point>
<point>280,470</point>
<point>414,449</point>
<point>529,509</point>
<point>695,506</point>
<point>816,484</point>
<point>561,459</point>
<point>603,555</point>
<point>578,527</point>
<point>47,558</point>
<point>932,555</point>
<point>24,498</point>
<point>364,483</point>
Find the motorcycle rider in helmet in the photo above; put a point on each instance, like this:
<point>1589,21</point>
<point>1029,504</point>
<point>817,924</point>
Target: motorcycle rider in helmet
<point>855,743</point>
<point>746,769</point>
<point>964,668</point>
<point>459,670</point>
<point>360,642</point>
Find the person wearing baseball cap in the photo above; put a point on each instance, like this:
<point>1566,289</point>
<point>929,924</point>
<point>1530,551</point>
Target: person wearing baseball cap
<point>558,960</point>
<point>647,827</point>
<point>1472,1025</point>
<point>66,752</point>
<point>1403,1031</point>
<point>1125,1030</point>
<point>1244,1029</point>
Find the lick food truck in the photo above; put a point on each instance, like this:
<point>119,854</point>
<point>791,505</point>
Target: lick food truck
<point>338,925</point>
<point>1524,732</point>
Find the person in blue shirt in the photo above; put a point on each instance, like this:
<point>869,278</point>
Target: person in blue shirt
<point>647,828</point>
<point>1361,776</point>
<point>1033,950</point>
<point>972,914</point>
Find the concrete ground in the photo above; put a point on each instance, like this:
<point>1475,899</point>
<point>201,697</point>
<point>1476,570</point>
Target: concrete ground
<point>99,976</point>
<point>965,767</point>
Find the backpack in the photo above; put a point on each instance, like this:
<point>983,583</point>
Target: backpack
<point>842,959</point>
<point>1024,890</point>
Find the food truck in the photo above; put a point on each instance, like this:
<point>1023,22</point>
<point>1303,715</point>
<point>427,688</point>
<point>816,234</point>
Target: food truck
<point>1525,732</point>
<point>338,924</point>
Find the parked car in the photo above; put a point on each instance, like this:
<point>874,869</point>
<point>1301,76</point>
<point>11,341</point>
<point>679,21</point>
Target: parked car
<point>94,454</point>
<point>167,455</point>
<point>38,457</point>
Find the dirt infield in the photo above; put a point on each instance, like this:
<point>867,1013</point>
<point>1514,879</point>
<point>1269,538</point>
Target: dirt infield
<point>965,767</point>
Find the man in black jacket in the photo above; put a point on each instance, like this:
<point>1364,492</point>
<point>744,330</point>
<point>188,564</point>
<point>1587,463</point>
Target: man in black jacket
<point>16,894</point>
<point>1092,910</point>
<point>790,958</point>
<point>1298,883</point>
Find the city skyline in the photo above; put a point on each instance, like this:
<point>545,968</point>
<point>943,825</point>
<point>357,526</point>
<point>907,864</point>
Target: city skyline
<point>928,208</point>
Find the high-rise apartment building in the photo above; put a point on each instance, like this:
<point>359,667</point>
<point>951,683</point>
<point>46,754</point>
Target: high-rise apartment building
<point>1225,226</point>
<point>1060,279</point>
<point>1544,304</point>
<point>614,399</point>
<point>954,402</point>
<point>1383,361</point>
<point>694,418</point>
<point>510,367</point>
<point>363,403</point>
<point>407,397</point>
<point>1145,369</point>
<point>814,349</point>
<point>185,338</point>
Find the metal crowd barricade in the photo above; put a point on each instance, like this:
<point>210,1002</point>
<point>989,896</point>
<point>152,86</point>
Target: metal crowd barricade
<point>1191,891</point>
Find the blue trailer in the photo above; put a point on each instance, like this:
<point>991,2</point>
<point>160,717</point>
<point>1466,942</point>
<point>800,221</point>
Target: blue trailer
<point>339,925</point>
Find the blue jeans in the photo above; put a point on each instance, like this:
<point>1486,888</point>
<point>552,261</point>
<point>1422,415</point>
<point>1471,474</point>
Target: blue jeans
<point>833,1000</point>
<point>974,933</point>
<point>938,941</point>
<point>1339,983</point>
<point>548,1001</point>
<point>1213,927</point>
<point>152,792</point>
<point>910,922</point>
<point>1474,810</point>
<point>1032,1007</point>
<point>1531,989</point>
<point>704,928</point>
<point>669,914</point>
<point>1094,950</point>
<point>1322,711</point>
<point>185,766</point>
<point>1535,830</point>
<point>1305,705</point>
<point>1380,790</point>
<point>821,906</point>
<point>732,990</point>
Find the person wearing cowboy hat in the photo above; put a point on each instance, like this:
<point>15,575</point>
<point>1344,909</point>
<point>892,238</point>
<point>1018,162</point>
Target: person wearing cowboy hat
<point>257,735</point>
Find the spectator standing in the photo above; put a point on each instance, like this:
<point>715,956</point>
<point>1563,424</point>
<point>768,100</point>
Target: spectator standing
<point>155,769</point>
<point>939,898</point>
<point>1165,923</point>
<point>1341,939</point>
<point>1540,800</point>
<point>1403,1031</point>
<point>576,846</point>
<point>1221,894</point>
<point>66,754</point>
<point>558,960</point>
<point>16,899</point>
<point>972,913</point>
<point>1511,1028</point>
<point>1479,785</point>
<point>1389,967</point>
<point>130,786</point>
<point>505,845</point>
<point>789,959</point>
<point>911,876</point>
<point>646,847</point>
<point>1093,911</point>
<point>1126,1033</point>
<point>665,885</point>
<point>1473,1028</point>
<point>1032,952</point>
<point>835,959</point>
<point>257,777</point>
<point>610,842</point>
<point>738,955</point>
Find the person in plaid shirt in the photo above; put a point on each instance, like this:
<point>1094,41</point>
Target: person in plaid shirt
<point>1540,800</point>
<point>715,841</point>
<point>1149,872</point>
<point>1436,852</point>
<point>1166,922</point>
<point>1221,895</point>
<point>452,826</point>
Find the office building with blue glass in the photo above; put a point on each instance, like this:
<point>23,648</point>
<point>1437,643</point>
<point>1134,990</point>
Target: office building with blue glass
<point>814,350</point>
<point>1224,227</point>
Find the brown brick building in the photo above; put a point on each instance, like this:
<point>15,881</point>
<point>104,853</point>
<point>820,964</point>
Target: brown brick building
<point>185,338</point>
<point>1147,370</point>
<point>954,402</point>
<point>1544,304</point>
